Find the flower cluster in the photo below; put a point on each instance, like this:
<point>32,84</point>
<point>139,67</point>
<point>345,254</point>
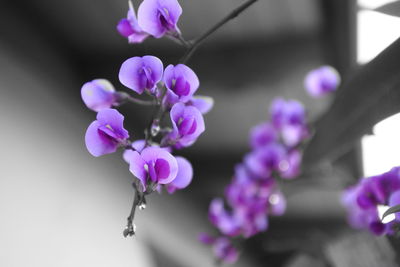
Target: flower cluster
<point>363,200</point>
<point>322,81</point>
<point>253,193</point>
<point>174,88</point>
<point>155,18</point>
<point>150,160</point>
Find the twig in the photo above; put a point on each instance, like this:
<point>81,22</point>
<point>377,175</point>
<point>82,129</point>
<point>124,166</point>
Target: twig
<point>130,228</point>
<point>192,48</point>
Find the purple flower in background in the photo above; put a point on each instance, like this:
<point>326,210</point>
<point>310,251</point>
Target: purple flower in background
<point>129,27</point>
<point>225,251</point>
<point>203,103</point>
<point>183,177</point>
<point>188,124</point>
<point>262,135</point>
<point>222,219</point>
<point>363,199</point>
<point>159,17</point>
<point>98,94</point>
<point>289,117</point>
<point>105,134</point>
<point>141,73</point>
<point>153,164</point>
<point>321,81</point>
<point>181,82</point>
<point>263,161</point>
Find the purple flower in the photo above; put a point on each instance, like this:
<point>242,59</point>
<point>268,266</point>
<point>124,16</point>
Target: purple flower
<point>225,251</point>
<point>98,94</point>
<point>395,200</point>
<point>181,82</point>
<point>138,146</point>
<point>141,73</point>
<point>262,162</point>
<point>289,117</point>
<point>154,165</point>
<point>222,219</point>
<point>203,103</point>
<point>321,81</point>
<point>262,135</point>
<point>105,134</point>
<point>363,199</point>
<point>183,177</point>
<point>159,17</point>
<point>130,28</point>
<point>188,124</point>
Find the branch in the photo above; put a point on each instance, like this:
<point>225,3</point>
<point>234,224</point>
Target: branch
<point>130,227</point>
<point>192,48</point>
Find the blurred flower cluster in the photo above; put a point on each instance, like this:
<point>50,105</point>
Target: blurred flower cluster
<point>276,153</point>
<point>363,200</point>
<point>253,193</point>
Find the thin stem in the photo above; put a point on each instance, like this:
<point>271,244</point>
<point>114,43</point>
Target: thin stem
<point>139,101</point>
<point>203,37</point>
<point>130,229</point>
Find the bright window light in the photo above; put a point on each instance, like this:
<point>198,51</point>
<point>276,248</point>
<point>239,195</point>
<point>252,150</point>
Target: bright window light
<point>375,32</point>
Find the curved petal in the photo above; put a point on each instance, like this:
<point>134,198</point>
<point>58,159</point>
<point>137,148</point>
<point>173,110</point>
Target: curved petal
<point>137,167</point>
<point>124,27</point>
<point>156,67</point>
<point>184,175</point>
<point>111,118</point>
<point>130,76</point>
<point>148,18</point>
<point>97,144</point>
<point>151,154</point>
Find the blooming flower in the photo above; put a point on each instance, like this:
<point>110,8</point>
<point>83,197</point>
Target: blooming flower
<point>183,177</point>
<point>105,134</point>
<point>181,82</point>
<point>129,27</point>
<point>363,199</point>
<point>153,164</point>
<point>321,81</point>
<point>141,73</point>
<point>188,124</point>
<point>138,146</point>
<point>159,17</point>
<point>98,94</point>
